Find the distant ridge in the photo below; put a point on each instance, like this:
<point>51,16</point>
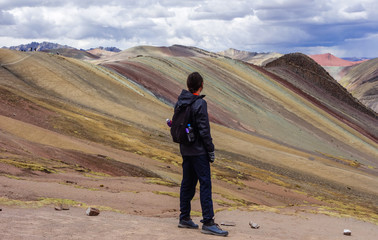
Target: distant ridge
<point>356,59</point>
<point>260,59</point>
<point>73,53</point>
<point>35,46</point>
<point>109,49</point>
<point>152,51</point>
<point>328,59</point>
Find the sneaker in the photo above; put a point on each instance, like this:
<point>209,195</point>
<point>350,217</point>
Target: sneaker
<point>213,229</point>
<point>187,224</point>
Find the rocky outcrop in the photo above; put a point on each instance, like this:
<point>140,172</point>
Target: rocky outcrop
<point>38,46</point>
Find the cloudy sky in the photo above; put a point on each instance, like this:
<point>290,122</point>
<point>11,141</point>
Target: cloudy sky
<point>345,28</point>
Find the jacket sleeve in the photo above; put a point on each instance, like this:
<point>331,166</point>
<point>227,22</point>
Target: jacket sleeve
<point>203,126</point>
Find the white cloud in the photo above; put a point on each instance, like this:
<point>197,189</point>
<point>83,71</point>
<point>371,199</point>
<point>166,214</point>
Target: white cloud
<point>221,10</point>
<point>6,18</point>
<point>254,25</point>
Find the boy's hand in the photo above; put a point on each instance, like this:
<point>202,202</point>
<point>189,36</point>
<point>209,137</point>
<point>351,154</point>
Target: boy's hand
<point>211,157</point>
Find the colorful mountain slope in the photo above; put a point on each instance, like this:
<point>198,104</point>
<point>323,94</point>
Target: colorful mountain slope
<point>62,113</point>
<point>73,53</point>
<point>311,77</point>
<point>362,81</point>
<point>241,97</point>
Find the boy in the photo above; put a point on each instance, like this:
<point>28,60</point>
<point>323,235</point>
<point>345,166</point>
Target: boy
<point>196,160</point>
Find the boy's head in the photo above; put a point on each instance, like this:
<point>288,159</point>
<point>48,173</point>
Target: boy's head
<point>194,82</point>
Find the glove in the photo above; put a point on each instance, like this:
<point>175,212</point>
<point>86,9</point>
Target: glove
<point>211,157</point>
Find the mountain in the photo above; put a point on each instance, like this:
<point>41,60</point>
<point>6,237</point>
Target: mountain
<point>328,59</point>
<point>172,51</point>
<point>73,53</point>
<point>313,76</point>
<point>362,81</point>
<point>67,51</point>
<point>356,59</point>
<point>259,59</point>
<point>101,53</point>
<point>96,134</point>
<point>335,66</point>
<point>108,49</point>
<point>35,46</point>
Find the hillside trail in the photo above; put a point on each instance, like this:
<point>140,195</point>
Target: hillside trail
<point>18,61</point>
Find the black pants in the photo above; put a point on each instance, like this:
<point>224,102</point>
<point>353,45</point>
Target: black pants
<point>196,168</point>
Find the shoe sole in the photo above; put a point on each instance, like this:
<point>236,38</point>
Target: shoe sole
<point>186,226</point>
<point>213,233</point>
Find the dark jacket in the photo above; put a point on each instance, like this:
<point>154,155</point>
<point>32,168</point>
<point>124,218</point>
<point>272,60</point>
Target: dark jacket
<point>204,142</point>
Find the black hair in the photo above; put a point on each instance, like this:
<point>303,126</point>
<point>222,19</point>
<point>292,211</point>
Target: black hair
<point>194,82</point>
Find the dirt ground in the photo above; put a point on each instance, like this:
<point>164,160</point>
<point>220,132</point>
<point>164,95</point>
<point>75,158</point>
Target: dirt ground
<point>47,223</point>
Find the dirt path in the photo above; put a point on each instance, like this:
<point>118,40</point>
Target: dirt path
<point>46,223</point>
<point>20,60</point>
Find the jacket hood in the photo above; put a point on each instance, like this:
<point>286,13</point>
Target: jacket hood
<point>187,98</point>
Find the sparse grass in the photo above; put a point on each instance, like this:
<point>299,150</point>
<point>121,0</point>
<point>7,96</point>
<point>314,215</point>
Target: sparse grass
<point>39,203</point>
<point>195,213</point>
<point>224,203</point>
<point>79,186</point>
<point>239,202</point>
<point>352,163</point>
<point>98,175</point>
<point>263,208</point>
<point>343,209</point>
<point>42,202</point>
<point>19,163</point>
<point>12,176</point>
<point>171,194</point>
<point>105,130</point>
<point>160,181</point>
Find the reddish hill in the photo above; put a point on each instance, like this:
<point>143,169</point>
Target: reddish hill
<point>328,59</point>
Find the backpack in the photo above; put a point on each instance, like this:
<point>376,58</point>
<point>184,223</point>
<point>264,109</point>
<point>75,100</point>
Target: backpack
<point>180,131</point>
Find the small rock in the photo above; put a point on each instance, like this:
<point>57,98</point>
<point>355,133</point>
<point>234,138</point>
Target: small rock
<point>347,232</point>
<point>1,209</point>
<point>61,207</point>
<point>228,223</point>
<point>71,182</point>
<point>92,211</point>
<point>254,225</point>
<point>65,207</point>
